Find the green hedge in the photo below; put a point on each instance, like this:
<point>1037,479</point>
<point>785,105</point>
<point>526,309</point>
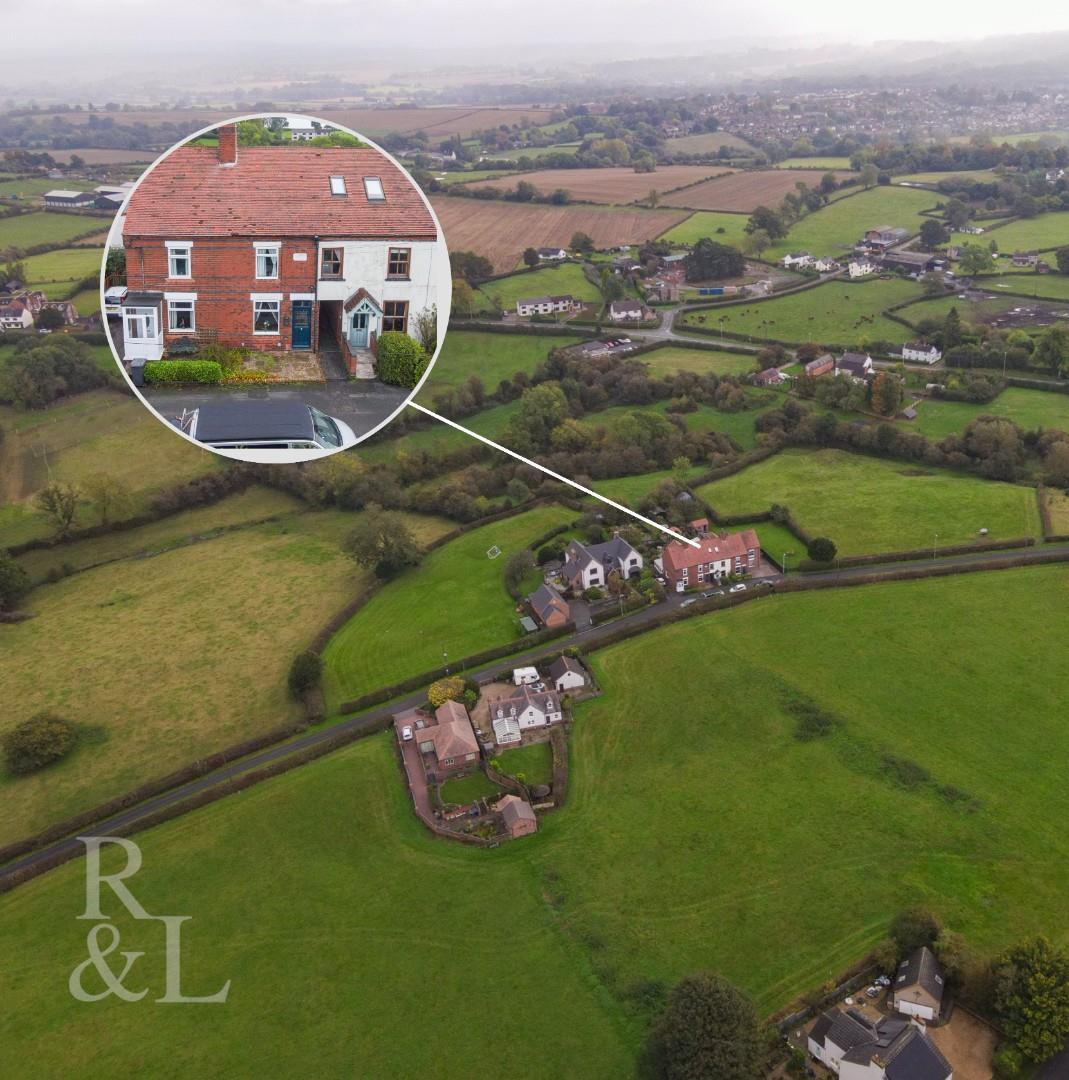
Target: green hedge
<point>401,359</point>
<point>183,371</point>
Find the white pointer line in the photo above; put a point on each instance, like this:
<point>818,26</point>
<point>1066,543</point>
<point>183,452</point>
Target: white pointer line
<point>556,475</point>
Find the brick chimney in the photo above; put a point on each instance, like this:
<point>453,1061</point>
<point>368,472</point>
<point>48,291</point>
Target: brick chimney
<point>228,145</point>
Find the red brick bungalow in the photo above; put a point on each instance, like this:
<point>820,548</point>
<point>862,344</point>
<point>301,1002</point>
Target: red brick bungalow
<point>272,247</point>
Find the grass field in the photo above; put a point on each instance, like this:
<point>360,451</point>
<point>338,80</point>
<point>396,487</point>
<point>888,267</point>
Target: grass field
<point>41,227</point>
<point>743,191</point>
<point>501,230</point>
<point>709,223</point>
<point>344,823</point>
<point>454,602</point>
<point>87,302</point>
<point>1042,286</point>
<point>692,806</point>
<point>66,265</point>
<point>620,186</point>
<point>1026,408</point>
<point>29,187</point>
<point>550,280</point>
<point>438,438</point>
<point>972,176</point>
<point>833,314</point>
<point>492,357</point>
<point>669,360</point>
<point>160,627</point>
<point>473,176</point>
<point>981,311</point>
<point>824,163</point>
<point>706,143</point>
<point>1058,505</point>
<point>739,425</point>
<point>1040,233</point>
<point>836,227</point>
<point>867,505</point>
<point>98,432</point>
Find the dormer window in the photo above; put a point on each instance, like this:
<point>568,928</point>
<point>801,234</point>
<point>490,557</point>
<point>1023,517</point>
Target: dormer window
<point>337,185</point>
<point>373,189</point>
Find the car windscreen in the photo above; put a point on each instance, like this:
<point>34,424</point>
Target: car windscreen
<point>326,430</point>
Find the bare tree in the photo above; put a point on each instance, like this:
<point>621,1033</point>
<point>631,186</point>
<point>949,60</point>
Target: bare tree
<point>426,323</point>
<point>59,503</point>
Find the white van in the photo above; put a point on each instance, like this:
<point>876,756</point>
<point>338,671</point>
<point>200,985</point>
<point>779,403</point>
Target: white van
<point>524,675</point>
<point>113,300</point>
<point>265,426</point>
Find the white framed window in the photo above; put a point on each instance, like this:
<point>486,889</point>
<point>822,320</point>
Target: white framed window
<point>181,316</point>
<point>266,260</point>
<point>373,189</point>
<point>265,313</point>
<point>179,259</point>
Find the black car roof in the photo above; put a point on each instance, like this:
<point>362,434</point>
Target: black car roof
<point>232,421</point>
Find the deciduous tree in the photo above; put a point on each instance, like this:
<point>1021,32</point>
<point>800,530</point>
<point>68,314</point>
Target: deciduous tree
<point>382,541</point>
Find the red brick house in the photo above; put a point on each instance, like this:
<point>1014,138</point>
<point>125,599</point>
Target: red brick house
<point>716,557</point>
<point>277,248</point>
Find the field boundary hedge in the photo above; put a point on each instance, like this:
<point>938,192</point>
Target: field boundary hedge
<point>914,554</point>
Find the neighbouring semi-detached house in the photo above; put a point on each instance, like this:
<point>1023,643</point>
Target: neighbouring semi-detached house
<point>276,248</point>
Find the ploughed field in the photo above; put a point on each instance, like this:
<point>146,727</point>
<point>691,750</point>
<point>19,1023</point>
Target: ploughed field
<point>610,185</point>
<point>745,191</point>
<point>501,230</point>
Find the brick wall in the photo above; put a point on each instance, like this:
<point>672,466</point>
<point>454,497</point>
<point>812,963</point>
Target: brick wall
<point>223,276</point>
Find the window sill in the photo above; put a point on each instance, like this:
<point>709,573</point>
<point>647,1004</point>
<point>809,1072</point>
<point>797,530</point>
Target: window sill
<point>398,277</point>
<point>331,277</point>
<point>267,333</point>
<point>193,330</point>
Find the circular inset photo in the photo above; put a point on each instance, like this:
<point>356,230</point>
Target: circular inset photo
<point>276,288</point>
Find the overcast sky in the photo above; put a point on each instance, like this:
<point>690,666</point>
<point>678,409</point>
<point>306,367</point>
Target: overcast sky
<point>173,36</point>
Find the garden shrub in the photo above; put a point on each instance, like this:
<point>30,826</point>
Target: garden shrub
<point>451,688</point>
<point>37,742</point>
<point>401,359</point>
<point>183,371</point>
<point>183,350</point>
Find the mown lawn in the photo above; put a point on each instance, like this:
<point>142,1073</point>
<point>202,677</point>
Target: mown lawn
<point>492,357</point>
<point>832,314</point>
<point>532,763</point>
<point>41,227</point>
<point>356,925</point>
<point>835,228</point>
<point>868,505</point>
<point>453,603</point>
<point>547,281</point>
<point>700,833</point>
<point>467,789</point>
<point>1026,408</point>
<point>672,359</point>
<point>195,643</point>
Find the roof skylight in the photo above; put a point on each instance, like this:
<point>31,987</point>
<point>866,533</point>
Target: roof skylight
<point>337,185</point>
<point>373,189</point>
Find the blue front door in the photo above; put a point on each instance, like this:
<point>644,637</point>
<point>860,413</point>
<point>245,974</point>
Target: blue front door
<point>358,330</point>
<point>302,324</point>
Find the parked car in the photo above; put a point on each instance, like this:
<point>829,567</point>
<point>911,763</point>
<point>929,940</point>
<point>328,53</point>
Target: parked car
<point>272,425</point>
<point>738,588</point>
<point>883,980</point>
<point>690,600</point>
<point>113,299</point>
<point>406,733</point>
<point>712,592</point>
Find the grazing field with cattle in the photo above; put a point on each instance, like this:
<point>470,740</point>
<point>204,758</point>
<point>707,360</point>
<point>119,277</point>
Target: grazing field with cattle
<point>501,230</point>
<point>745,191</point>
<point>610,185</point>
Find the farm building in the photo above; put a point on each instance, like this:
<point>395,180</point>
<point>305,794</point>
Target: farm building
<point>914,262</point>
<point>823,365</point>
<point>719,555</point>
<point>275,247</point>
<point>857,365</point>
<point>770,377</point>
<point>61,199</point>
<point>796,260</point>
<point>885,236</point>
<point>551,254</point>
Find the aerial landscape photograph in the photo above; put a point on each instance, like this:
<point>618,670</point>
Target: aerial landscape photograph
<point>417,432</point>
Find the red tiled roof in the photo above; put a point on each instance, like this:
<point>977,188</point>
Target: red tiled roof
<point>712,549</point>
<point>277,191</point>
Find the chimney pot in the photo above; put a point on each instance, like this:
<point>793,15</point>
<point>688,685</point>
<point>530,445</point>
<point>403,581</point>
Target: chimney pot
<point>228,145</point>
